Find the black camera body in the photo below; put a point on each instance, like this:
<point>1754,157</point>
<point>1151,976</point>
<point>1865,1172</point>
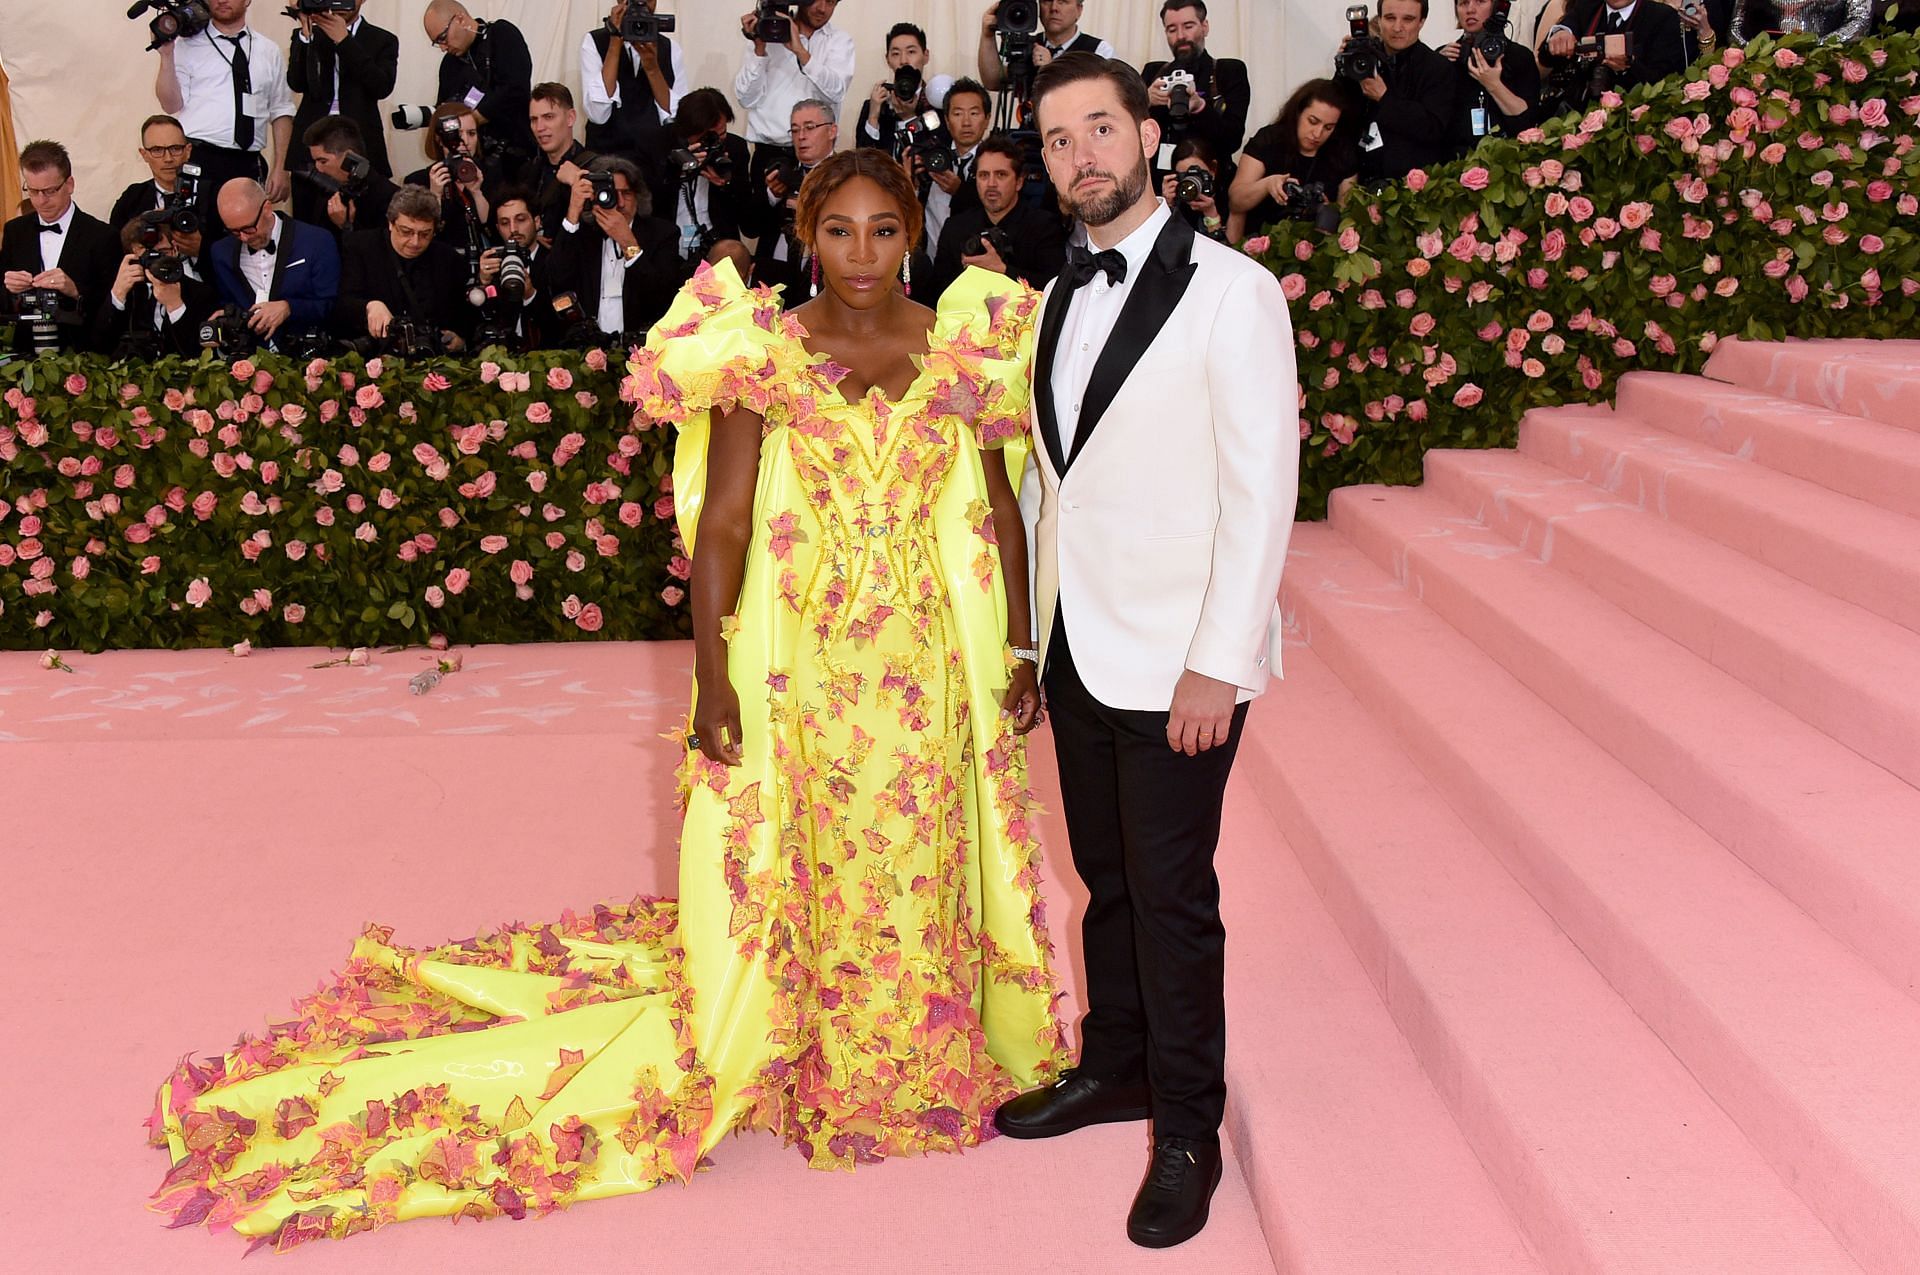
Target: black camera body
<point>605,193</point>
<point>228,335</point>
<point>773,21</point>
<point>1311,201</point>
<point>163,267</point>
<point>1364,55</point>
<point>314,8</point>
<point>688,160</point>
<point>907,84</point>
<point>515,279</point>
<point>1017,17</point>
<point>787,173</point>
<point>933,151</point>
<point>999,237</point>
<point>1191,185</point>
<point>45,305</point>
<point>182,208</point>
<point>1572,82</point>
<point>453,144</point>
<point>359,174</point>
<point>1491,40</point>
<point>410,339</point>
<point>172,19</point>
<point>641,25</point>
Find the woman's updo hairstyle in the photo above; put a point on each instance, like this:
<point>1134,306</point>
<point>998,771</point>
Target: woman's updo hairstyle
<point>842,167</point>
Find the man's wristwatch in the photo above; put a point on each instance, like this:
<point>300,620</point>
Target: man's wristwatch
<point>631,252</point>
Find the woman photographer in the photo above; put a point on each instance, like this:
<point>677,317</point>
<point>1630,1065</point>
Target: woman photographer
<point>459,178</point>
<point>1309,148</point>
<point>1195,191</point>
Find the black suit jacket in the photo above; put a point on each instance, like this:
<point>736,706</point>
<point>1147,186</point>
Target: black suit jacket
<point>1223,124</point>
<point>729,210</point>
<point>1658,50</point>
<point>1039,246</point>
<point>431,289</point>
<point>1519,75</point>
<point>1415,118</point>
<point>499,65</point>
<point>651,282</point>
<point>112,326</point>
<point>369,208</point>
<point>369,62</point>
<point>90,257</point>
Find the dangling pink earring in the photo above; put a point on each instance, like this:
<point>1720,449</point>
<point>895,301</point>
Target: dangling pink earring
<point>906,274</point>
<point>816,278</point>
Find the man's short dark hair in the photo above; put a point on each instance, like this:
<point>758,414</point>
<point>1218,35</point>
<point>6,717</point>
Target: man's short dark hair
<point>552,91</point>
<point>700,110</point>
<point>1380,7</point>
<point>153,121</point>
<point>998,143</point>
<point>1171,5</point>
<point>42,155</point>
<point>906,28</point>
<point>1078,68</point>
<point>415,202</point>
<point>968,85</point>
<point>511,195</point>
<point>335,134</point>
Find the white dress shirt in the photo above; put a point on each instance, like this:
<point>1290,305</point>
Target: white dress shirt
<point>600,103</point>
<point>613,282</point>
<point>205,72</point>
<point>940,203</point>
<point>1091,314</point>
<point>51,244</point>
<point>160,313</point>
<point>333,107</point>
<point>771,86</point>
<point>257,267</point>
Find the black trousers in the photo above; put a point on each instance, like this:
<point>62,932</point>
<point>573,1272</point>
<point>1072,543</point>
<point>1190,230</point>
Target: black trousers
<point>1144,821</point>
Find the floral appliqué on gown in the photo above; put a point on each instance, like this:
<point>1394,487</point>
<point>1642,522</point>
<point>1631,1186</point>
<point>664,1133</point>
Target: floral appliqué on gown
<point>858,959</point>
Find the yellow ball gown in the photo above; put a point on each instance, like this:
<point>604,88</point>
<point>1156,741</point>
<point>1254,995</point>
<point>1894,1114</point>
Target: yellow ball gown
<point>858,959</point>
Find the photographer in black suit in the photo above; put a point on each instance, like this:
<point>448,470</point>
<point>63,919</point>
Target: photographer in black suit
<point>1214,107</point>
<point>341,64</point>
<point>709,203</point>
<point>56,263</point>
<point>341,189</point>
<point>158,300</point>
<point>1406,106</point>
<point>612,254</point>
<point>487,66</point>
<point>523,321</point>
<point>1653,47</point>
<point>165,150</point>
<point>1498,94</point>
<point>881,113</point>
<point>550,175</point>
<point>405,278</point>
<point>1002,234</point>
<point>779,260</point>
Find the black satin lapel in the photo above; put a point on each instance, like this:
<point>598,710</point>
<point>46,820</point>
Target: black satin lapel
<point>1053,318</point>
<point>281,252</point>
<point>1162,283</point>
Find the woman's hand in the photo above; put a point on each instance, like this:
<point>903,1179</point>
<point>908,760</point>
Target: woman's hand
<point>1022,699</point>
<point>716,722</point>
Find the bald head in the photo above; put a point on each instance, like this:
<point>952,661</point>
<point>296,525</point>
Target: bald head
<point>449,23</point>
<point>243,207</point>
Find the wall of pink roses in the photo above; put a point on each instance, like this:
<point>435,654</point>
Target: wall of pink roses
<point>1767,193</point>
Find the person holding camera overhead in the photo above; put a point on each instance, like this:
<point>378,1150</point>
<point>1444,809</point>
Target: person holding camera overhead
<point>1298,167</point>
<point>944,174</point>
<point>633,77</point>
<point>401,287</point>
<point>228,88</point>
<point>166,152</point>
<point>485,65</point>
<point>341,64</point>
<point>56,262</point>
<point>1406,90</point>
<point>157,303</point>
<point>342,190</point>
<point>907,95</point>
<point>281,277</point>
<point>1001,233</point>
<point>710,200</point>
<point>779,261</point>
<point>1497,85</point>
<point>1055,25</point>
<point>1195,95</point>
<point>1652,47</point>
<point>550,175</point>
<point>612,253</point>
<point>813,62</point>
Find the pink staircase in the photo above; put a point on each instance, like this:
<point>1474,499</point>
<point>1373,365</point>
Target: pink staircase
<point>1603,757</point>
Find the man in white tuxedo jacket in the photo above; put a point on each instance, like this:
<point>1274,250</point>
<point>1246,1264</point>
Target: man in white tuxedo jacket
<point>1166,413</point>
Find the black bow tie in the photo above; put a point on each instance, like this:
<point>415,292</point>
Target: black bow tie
<point>1083,265</point>
<point>265,249</point>
<point>45,229</point>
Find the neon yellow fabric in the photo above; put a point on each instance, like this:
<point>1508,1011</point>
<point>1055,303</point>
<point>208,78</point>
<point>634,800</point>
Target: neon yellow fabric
<point>858,960</point>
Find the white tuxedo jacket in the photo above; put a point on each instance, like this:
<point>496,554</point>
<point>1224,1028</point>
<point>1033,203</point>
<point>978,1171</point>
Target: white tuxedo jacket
<point>1162,532</point>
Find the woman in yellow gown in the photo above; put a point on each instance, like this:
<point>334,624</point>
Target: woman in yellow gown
<point>858,959</point>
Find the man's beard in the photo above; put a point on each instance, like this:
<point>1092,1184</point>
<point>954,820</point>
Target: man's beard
<point>1185,51</point>
<point>1121,194</point>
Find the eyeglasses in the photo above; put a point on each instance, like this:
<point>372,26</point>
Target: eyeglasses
<point>167,152</point>
<point>440,41</point>
<point>251,226</point>
<point>807,130</point>
<point>36,192</point>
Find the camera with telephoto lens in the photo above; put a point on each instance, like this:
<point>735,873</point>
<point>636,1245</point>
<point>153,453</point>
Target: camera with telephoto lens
<point>1191,185</point>
<point>515,279</point>
<point>773,21</point>
<point>1491,40</point>
<point>46,305</point>
<point>1017,24</point>
<point>690,159</point>
<point>453,146</point>
<point>640,25</point>
<point>1363,54</point>
<point>998,236</point>
<point>605,193</point>
<point>907,83</point>
<point>183,205</point>
<point>173,19</point>
<point>933,151</point>
<point>1572,82</point>
<point>1310,201</point>
<point>359,172</point>
<point>410,118</point>
<point>1017,17</point>
<point>1180,89</point>
<point>228,335</point>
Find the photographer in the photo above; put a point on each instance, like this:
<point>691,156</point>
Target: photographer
<point>485,65</point>
<point>523,324</point>
<point>1001,234</point>
<point>779,261</point>
<point>341,189</point>
<point>228,88</point>
<point>1406,90</point>
<point>281,276</point>
<point>944,176</point>
<point>1196,95</point>
<point>815,63</point>
<point>709,204</point>
<point>1059,33</point>
<point>632,90</point>
<point>402,287</point>
<point>1197,193</point>
<point>56,262</point>
<point>907,95</point>
<point>156,304</point>
<point>1497,84</point>
<point>341,64</point>
<point>612,253</point>
<point>1298,167</point>
<point>551,174</point>
<point>1610,44</point>
<point>165,150</point>
<point>456,178</point>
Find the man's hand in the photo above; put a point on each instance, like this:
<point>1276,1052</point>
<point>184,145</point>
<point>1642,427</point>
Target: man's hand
<point>1202,713</point>
<point>882,92</point>
<point>569,173</point>
<point>1561,42</point>
<point>439,177</point>
<point>750,27</point>
<point>489,266</point>
<point>649,59</point>
<point>57,280</point>
<point>1618,61</point>
<point>339,211</point>
<point>1451,52</point>
<point>267,317</point>
<point>616,19</point>
<point>990,18</point>
<point>1042,57</point>
<point>452,342</point>
<point>279,186</point>
<point>1157,93</point>
<point>581,197</point>
<point>616,227</point>
<point>379,320</point>
<point>129,278</point>
<point>988,259</point>
<point>776,187</point>
<point>187,245</point>
<point>949,181</point>
<point>17,281</point>
<point>171,296</point>
<point>1374,87</point>
<point>331,25</point>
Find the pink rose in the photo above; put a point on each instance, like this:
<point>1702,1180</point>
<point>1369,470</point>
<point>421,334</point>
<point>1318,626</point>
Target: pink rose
<point>1468,395</point>
<point>1257,245</point>
<point>1416,182</point>
<point>521,572</point>
<point>1349,240</point>
<point>596,360</point>
<point>293,613</point>
<point>489,373</point>
<point>243,370</point>
<point>435,598</point>
<point>1635,215</point>
<point>539,413</point>
<point>537,481</point>
<point>632,514</point>
<point>493,544</point>
<point>379,462</point>
<point>199,593</point>
<point>558,378</point>
<point>368,397</point>
<point>1422,324</point>
<point>435,382</point>
<point>673,595</point>
<point>76,384</point>
<point>572,607</point>
<point>1873,113</point>
<point>1474,178</point>
<point>589,620</point>
<point>1871,243</point>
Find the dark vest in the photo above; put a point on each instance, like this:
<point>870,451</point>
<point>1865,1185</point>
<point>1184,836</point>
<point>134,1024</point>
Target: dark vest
<point>634,129</point>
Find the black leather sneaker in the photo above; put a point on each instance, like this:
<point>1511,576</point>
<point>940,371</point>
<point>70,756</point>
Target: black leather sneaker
<point>1074,1101</point>
<point>1173,1202</point>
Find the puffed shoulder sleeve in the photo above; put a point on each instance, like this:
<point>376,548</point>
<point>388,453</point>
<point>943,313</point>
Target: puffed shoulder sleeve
<point>721,345</point>
<point>981,353</point>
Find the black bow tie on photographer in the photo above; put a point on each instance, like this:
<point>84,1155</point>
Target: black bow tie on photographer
<point>46,229</point>
<point>265,249</point>
<point>1083,265</point>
